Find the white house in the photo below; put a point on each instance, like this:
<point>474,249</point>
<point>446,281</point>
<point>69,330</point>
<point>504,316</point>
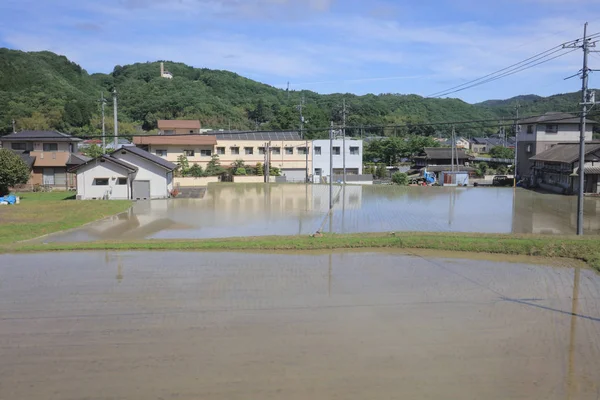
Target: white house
<point>321,158</point>
<point>127,173</point>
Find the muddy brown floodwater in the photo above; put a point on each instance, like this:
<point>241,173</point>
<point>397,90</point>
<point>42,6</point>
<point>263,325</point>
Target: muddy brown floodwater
<point>352,325</point>
<point>290,209</point>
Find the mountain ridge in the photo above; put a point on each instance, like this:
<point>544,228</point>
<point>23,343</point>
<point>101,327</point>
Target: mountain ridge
<point>43,90</point>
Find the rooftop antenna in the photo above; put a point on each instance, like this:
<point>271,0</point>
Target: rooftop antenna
<point>288,90</point>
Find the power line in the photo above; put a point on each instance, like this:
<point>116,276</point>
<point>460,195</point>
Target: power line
<point>505,71</point>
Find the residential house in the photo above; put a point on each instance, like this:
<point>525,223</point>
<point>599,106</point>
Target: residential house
<point>538,134</point>
<point>52,153</point>
<point>462,143</point>
<point>439,159</point>
<point>557,169</point>
<point>126,173</point>
<point>178,127</point>
<point>289,152</point>
<point>321,156</point>
<point>480,145</point>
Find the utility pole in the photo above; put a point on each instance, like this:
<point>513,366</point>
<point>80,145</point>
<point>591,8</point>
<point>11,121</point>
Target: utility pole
<point>14,126</point>
<point>586,100</point>
<point>267,162</point>
<point>103,102</point>
<point>331,168</point>
<point>452,149</point>
<point>516,145</point>
<point>116,142</point>
<point>344,141</point>
<point>300,108</point>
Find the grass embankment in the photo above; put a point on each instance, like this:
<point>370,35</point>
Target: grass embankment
<point>48,212</point>
<point>584,249</point>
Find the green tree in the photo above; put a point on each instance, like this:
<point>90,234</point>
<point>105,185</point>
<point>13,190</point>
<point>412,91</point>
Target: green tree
<point>260,171</point>
<point>481,169</point>
<point>400,178</point>
<point>502,170</point>
<point>240,171</point>
<point>214,167</point>
<point>381,171</point>
<point>502,152</point>
<point>93,151</point>
<point>13,171</point>
<point>196,171</point>
<point>184,165</point>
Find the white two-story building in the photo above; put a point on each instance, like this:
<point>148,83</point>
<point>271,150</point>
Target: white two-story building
<point>321,158</point>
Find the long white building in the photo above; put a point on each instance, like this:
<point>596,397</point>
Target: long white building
<point>321,151</point>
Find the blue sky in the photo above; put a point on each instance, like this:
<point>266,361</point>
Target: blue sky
<point>356,46</point>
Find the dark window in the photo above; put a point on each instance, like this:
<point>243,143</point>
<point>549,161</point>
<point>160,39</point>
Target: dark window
<point>302,150</point>
<point>18,146</point>
<point>289,151</point>
<point>191,131</point>
<point>235,150</point>
<point>122,181</point>
<point>317,150</point>
<point>249,151</point>
<point>189,153</point>
<point>529,128</point>
<point>336,151</point>
<point>220,150</point>
<point>161,153</point>
<point>261,150</point>
<point>318,171</point>
<point>551,128</point>
<point>206,153</point>
<point>50,146</point>
<point>101,181</point>
<point>276,150</point>
<point>354,151</point>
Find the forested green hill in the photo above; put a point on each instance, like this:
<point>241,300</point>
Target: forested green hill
<point>41,90</point>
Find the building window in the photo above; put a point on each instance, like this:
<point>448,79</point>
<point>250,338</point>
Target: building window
<point>528,148</point>
<point>189,153</point>
<point>249,151</point>
<point>261,151</point>
<point>220,150</point>
<point>318,171</point>
<point>161,153</point>
<point>235,150</point>
<point>354,151</point>
<point>101,181</point>
<point>529,128</point>
<point>206,153</point>
<point>336,150</point>
<point>50,146</point>
<point>276,150</point>
<point>18,146</point>
<point>289,151</point>
<point>317,150</point>
<point>551,128</point>
<point>191,131</point>
<point>121,181</point>
<point>302,150</point>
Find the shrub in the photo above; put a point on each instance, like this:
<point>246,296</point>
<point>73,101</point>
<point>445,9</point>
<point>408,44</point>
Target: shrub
<point>196,171</point>
<point>400,178</point>
<point>240,171</point>
<point>13,171</point>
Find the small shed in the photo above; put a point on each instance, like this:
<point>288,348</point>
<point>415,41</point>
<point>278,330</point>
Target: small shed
<point>454,178</point>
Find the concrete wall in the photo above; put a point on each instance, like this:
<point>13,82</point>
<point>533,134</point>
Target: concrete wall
<point>160,183</point>
<point>322,161</point>
<point>566,133</point>
<point>85,182</point>
<point>248,179</point>
<point>194,182</point>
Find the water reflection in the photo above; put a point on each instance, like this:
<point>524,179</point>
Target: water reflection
<point>255,210</point>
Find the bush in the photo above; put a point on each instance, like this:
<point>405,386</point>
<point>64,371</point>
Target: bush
<point>196,171</point>
<point>400,178</point>
<point>381,171</point>
<point>240,171</point>
<point>260,171</point>
<point>13,171</point>
<point>502,170</point>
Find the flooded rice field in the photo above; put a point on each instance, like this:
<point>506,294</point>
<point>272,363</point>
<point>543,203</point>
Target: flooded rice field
<point>256,210</point>
<point>353,325</point>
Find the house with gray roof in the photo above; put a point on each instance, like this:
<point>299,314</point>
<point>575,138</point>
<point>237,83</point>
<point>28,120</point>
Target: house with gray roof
<point>540,133</point>
<point>126,173</point>
<point>557,169</point>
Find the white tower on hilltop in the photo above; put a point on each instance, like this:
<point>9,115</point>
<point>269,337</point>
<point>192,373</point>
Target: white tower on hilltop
<point>163,73</point>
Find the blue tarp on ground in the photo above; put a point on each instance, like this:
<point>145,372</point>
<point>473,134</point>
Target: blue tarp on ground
<point>10,199</point>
